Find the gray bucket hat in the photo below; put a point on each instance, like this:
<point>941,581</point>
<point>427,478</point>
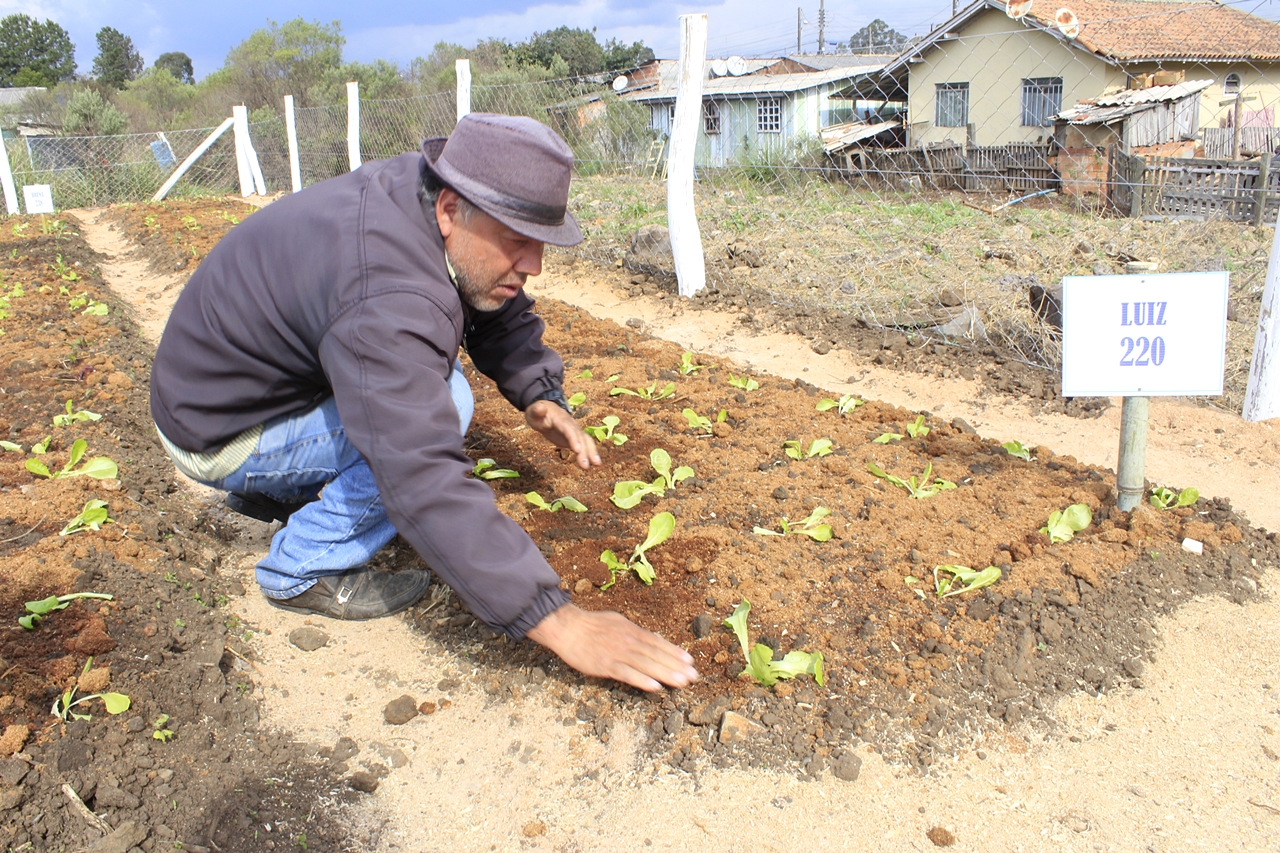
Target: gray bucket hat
<point>515,169</point>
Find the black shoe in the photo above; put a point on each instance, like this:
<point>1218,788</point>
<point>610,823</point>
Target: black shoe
<point>262,507</point>
<point>360,593</point>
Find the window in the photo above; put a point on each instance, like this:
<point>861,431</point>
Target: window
<point>1231,86</point>
<point>768,116</point>
<point>952,103</point>
<point>1041,100</point>
<point>710,118</point>
<point>671,116</point>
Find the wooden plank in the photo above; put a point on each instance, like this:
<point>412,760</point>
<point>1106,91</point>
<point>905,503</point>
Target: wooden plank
<point>190,161</point>
<point>682,217</point>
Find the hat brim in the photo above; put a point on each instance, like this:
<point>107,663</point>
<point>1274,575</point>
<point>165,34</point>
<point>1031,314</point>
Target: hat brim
<point>564,233</point>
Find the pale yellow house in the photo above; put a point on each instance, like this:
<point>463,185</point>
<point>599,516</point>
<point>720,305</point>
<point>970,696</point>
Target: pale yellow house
<point>986,78</point>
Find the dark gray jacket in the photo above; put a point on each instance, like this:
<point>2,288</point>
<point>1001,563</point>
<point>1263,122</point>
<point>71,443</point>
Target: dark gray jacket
<point>342,289</point>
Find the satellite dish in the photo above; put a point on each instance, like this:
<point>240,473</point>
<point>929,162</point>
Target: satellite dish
<point>1017,9</point>
<point>619,82</point>
<point>719,68</point>
<point>736,65</point>
<point>1068,23</point>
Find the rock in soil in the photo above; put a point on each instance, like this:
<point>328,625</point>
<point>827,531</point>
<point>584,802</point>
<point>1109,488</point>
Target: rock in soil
<point>125,837</point>
<point>941,837</point>
<point>400,711</point>
<point>363,781</point>
<point>708,713</point>
<point>847,767</point>
<point>308,639</point>
<point>735,728</point>
<point>13,739</point>
<point>703,625</point>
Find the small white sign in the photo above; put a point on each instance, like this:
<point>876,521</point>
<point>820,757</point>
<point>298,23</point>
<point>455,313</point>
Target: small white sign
<point>39,198</point>
<point>1144,335</point>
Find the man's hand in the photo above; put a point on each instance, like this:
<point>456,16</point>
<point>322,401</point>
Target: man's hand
<point>604,644</point>
<point>558,427</point>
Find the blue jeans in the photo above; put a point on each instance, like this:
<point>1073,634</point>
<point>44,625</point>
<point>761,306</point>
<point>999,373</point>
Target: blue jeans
<point>296,457</point>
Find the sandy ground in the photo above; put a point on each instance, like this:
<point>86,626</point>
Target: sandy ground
<point>1191,762</point>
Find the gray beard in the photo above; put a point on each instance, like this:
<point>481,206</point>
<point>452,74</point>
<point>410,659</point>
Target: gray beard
<point>474,293</point>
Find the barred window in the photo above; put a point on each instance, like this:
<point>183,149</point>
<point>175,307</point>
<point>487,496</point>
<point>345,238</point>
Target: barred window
<point>952,104</point>
<point>1041,100</point>
<point>769,116</point>
<point>1231,86</point>
<point>710,118</point>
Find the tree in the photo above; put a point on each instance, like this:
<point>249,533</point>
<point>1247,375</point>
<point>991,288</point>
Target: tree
<point>117,61</point>
<point>178,65</point>
<point>621,57</point>
<point>90,114</point>
<point>293,58</point>
<point>34,53</point>
<point>577,47</point>
<point>877,37</point>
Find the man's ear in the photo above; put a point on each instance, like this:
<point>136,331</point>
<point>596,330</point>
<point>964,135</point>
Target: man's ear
<point>447,212</point>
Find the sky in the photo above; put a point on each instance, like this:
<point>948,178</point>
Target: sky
<point>399,31</point>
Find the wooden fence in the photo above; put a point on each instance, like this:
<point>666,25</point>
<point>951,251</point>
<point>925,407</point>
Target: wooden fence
<point>1017,167</point>
<point>1218,141</point>
<point>1242,190</point>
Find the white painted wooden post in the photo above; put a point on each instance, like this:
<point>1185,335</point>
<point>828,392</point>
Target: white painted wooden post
<point>6,178</point>
<point>240,121</point>
<point>353,125</point>
<point>1262,397</point>
<point>291,132</point>
<point>682,218</point>
<point>191,159</point>
<point>462,70</point>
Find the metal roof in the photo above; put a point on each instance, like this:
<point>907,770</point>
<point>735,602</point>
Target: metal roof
<point>843,135</point>
<point>1107,108</point>
<point>747,84</point>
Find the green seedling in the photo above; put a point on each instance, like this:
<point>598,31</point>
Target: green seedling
<point>1162,498</point>
<point>566,502</point>
<point>41,447</point>
<point>843,406</point>
<point>586,374</point>
<point>20,227</point>
<point>819,447</point>
<point>116,703</point>
<point>649,392</point>
<point>63,271</point>
<point>613,377</point>
<point>38,610</point>
<point>629,493</point>
<point>576,400</point>
<point>92,517</point>
<point>485,471</point>
<point>159,732</point>
<point>886,437</point>
<point>661,527</point>
<point>1017,450</point>
<point>1064,524</point>
<point>698,422</point>
<point>9,445</point>
<point>811,527</point>
<point>761,666</point>
<point>687,367</point>
<point>189,222</point>
<point>917,429</point>
<point>954,580</point>
<point>229,217</point>
<point>150,221</point>
<point>98,467</point>
<point>745,383</point>
<point>75,417</point>
<point>96,309</point>
<point>918,487</point>
<point>605,432</point>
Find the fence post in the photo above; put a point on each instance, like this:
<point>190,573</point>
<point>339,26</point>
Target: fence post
<point>291,132</point>
<point>1138,179</point>
<point>682,217</point>
<point>192,158</point>
<point>1260,194</point>
<point>240,121</point>
<point>1262,396</point>
<point>462,70</point>
<point>353,125</point>
<point>6,178</point>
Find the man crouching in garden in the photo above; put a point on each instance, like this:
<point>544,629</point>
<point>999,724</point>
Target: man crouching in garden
<point>314,353</point>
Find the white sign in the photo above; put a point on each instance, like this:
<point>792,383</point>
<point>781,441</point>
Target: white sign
<point>1144,335</point>
<point>39,198</point>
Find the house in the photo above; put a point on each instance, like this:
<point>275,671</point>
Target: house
<point>754,107</point>
<point>988,78</point>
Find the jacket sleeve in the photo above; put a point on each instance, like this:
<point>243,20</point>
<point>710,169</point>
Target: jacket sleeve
<point>387,360</point>
<point>506,345</point>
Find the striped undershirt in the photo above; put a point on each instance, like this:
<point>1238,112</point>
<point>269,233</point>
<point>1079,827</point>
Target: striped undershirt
<point>211,467</point>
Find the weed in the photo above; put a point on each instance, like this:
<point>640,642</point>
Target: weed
<point>661,527</point>
<point>761,666</point>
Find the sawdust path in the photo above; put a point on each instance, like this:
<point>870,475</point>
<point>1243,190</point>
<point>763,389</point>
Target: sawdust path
<point>1189,762</point>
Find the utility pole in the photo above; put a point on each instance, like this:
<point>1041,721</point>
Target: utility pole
<point>799,20</point>
<point>822,23</point>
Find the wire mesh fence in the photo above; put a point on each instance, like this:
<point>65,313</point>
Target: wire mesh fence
<point>928,192</point>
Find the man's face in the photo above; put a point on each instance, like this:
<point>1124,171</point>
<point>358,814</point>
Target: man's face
<point>490,261</point>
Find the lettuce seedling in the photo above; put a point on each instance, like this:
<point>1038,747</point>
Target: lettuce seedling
<point>687,367</point>
<point>99,467</point>
<point>38,610</point>
<point>1169,499</point>
<point>586,374</point>
<point>819,447</point>
<point>92,517</point>
<point>917,429</point>
<point>886,437</point>
<point>605,432</point>
<point>41,447</point>
<point>697,421</point>
<point>844,406</point>
<point>1017,451</point>
<point>116,703</point>
<point>1063,525</point>
<point>649,392</point>
<point>576,400</point>
<point>962,579</point>
<point>918,487</point>
<point>810,526</point>
<point>9,445</point>
<point>746,383</point>
<point>75,417</point>
<point>482,471</point>
<point>661,526</point>
<point>566,502</point>
<point>629,493</point>
<point>159,732</point>
<point>761,666</point>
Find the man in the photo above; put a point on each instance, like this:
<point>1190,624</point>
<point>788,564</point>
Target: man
<point>316,348</point>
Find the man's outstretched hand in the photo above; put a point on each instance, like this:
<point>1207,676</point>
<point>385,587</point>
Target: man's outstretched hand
<point>604,644</point>
<point>558,427</point>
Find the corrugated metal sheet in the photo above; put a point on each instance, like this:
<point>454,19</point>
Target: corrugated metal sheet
<point>1106,109</point>
<point>747,84</point>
